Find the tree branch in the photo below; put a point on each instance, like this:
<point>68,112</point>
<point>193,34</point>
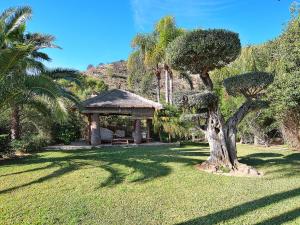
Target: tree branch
<point>207,81</point>
<point>239,115</point>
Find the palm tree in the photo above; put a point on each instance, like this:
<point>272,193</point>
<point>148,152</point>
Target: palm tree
<point>12,23</point>
<point>167,31</point>
<point>144,45</point>
<point>152,51</point>
<point>23,76</point>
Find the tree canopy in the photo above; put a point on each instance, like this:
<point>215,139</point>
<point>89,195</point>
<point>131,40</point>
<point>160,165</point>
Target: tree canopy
<point>250,85</point>
<point>201,51</point>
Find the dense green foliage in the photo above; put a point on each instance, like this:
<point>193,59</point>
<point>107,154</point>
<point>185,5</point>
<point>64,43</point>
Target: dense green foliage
<point>147,185</point>
<point>284,57</point>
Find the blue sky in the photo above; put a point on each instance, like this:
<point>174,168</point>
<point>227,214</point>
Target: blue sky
<point>98,31</point>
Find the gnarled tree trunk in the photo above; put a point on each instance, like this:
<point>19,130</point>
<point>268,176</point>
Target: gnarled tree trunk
<point>219,155</point>
<point>222,136</point>
<point>231,130</point>
<point>216,134</point>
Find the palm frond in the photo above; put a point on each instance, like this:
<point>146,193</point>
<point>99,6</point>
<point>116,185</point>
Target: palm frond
<point>49,107</point>
<point>6,13</point>
<point>70,96</point>
<point>33,67</point>
<point>59,110</point>
<point>41,105</point>
<point>10,57</point>
<point>18,17</point>
<point>40,56</point>
<point>64,74</point>
<point>41,41</point>
<point>42,85</point>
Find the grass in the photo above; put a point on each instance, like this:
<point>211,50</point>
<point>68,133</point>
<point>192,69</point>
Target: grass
<point>149,185</point>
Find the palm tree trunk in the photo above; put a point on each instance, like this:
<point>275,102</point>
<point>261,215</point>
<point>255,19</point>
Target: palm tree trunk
<point>158,89</point>
<point>15,123</point>
<point>167,86</point>
<point>137,132</point>
<point>158,78</point>
<point>171,89</point>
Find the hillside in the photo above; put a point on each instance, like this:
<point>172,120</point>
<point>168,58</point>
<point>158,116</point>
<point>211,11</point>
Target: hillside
<point>115,76</point>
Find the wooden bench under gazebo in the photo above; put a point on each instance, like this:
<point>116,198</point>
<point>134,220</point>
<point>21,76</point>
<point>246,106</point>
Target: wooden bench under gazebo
<point>118,102</point>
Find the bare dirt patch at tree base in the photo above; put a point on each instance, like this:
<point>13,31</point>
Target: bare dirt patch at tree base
<point>242,170</point>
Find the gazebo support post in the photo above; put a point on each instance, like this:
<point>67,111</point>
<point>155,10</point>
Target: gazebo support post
<point>149,125</point>
<point>138,132</point>
<point>95,129</point>
<point>89,129</point>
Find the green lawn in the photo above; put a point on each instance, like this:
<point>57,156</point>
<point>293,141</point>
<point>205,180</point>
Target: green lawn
<point>149,185</point>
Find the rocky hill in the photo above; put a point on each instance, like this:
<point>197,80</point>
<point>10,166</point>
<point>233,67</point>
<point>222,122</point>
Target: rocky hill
<point>115,76</point>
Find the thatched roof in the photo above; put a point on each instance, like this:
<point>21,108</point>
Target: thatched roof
<point>120,99</point>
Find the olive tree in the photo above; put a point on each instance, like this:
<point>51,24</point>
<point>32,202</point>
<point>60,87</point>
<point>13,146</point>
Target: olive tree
<point>199,52</point>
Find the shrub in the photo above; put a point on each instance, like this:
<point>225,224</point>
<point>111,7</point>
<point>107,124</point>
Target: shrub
<point>68,131</point>
<point>37,142</point>
<point>30,143</point>
<point>4,143</point>
<point>19,145</point>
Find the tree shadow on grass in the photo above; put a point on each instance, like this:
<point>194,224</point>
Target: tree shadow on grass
<point>63,169</point>
<point>27,171</point>
<point>115,177</point>
<point>282,218</point>
<point>148,163</point>
<point>265,155</point>
<point>285,165</point>
<point>228,214</point>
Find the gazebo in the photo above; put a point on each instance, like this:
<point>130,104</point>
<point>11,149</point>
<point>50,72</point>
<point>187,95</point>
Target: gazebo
<point>118,102</point>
